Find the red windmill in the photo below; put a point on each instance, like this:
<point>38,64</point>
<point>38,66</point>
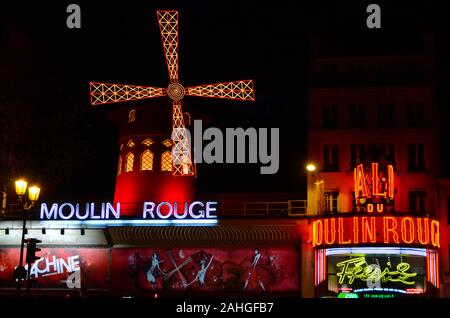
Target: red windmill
<point>103,93</point>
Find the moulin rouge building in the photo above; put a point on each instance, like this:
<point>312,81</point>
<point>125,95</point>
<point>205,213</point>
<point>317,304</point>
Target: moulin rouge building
<point>370,227</point>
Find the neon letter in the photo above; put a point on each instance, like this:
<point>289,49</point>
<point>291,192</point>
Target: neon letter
<point>368,229</point>
<point>423,231</point>
<point>341,232</point>
<point>404,229</point>
<point>329,231</point>
<point>435,233</point>
<point>360,182</point>
<point>387,229</point>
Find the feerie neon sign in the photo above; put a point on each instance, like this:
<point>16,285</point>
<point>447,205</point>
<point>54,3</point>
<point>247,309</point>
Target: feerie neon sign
<point>150,211</point>
<point>357,268</point>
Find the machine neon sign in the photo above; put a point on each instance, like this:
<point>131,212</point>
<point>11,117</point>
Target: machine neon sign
<point>163,212</point>
<point>354,269</point>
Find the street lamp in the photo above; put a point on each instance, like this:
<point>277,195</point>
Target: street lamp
<point>318,183</point>
<point>33,196</point>
<point>311,167</point>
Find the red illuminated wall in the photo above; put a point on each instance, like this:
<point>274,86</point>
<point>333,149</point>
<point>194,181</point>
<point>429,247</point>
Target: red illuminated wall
<point>230,269</point>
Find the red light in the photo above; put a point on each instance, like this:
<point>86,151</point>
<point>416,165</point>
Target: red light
<point>155,296</point>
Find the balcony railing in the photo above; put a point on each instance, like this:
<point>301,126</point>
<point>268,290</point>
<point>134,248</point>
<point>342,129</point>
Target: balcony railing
<point>268,209</point>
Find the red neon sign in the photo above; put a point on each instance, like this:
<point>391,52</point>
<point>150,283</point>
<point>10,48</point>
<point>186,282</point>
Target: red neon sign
<point>372,230</point>
<point>381,183</point>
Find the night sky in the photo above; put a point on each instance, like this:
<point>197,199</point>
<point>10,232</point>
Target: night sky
<point>71,149</point>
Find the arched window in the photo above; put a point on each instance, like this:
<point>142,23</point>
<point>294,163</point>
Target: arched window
<point>119,169</point>
<point>132,116</point>
<point>147,142</point>
<point>147,160</point>
<point>166,161</point>
<point>167,143</point>
<point>129,161</point>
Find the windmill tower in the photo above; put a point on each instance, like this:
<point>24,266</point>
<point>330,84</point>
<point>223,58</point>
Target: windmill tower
<point>154,165</point>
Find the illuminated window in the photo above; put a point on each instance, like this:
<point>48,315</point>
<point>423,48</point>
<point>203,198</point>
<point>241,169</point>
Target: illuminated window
<point>354,205</point>
<point>147,160</point>
<point>417,201</point>
<point>167,143</point>
<point>416,157</point>
<point>131,144</point>
<point>166,161</point>
<point>331,199</point>
<point>132,116</point>
<point>147,142</point>
<point>119,169</point>
<point>330,116</point>
<point>129,161</point>
<point>330,158</point>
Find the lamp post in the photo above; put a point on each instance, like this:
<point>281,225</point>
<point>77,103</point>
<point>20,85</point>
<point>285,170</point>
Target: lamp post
<point>318,202</point>
<point>33,195</point>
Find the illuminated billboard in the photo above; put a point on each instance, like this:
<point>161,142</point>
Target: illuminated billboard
<point>376,271</point>
<point>208,269</point>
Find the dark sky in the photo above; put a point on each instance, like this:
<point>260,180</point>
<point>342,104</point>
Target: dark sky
<point>71,148</point>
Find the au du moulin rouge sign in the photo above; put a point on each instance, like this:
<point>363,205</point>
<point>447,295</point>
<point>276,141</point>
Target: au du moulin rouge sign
<point>163,211</point>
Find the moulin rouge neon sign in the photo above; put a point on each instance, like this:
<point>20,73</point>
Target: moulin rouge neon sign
<point>175,212</point>
<point>357,268</point>
<point>375,229</point>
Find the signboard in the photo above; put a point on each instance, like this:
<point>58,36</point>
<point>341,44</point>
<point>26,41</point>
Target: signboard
<point>377,273</point>
<point>374,187</point>
<point>208,269</point>
<point>59,268</point>
<point>152,213</point>
<point>375,229</point>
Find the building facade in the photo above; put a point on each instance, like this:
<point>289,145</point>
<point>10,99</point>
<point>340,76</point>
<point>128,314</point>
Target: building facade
<point>373,136</point>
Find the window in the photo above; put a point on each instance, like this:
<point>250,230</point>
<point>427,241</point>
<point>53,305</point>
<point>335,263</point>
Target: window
<point>417,201</point>
<point>147,160</point>
<point>132,116</point>
<point>166,161</point>
<point>330,158</point>
<point>131,144</point>
<point>356,154</point>
<point>119,169</point>
<point>330,116</point>
<point>415,114</point>
<point>167,143</point>
<point>381,153</point>
<point>357,116</point>
<point>416,157</point>
<point>129,162</point>
<point>354,206</point>
<point>386,116</point>
<point>147,142</point>
<point>331,199</point>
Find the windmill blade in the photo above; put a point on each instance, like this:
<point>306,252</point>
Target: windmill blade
<point>168,26</point>
<point>102,93</point>
<point>239,90</point>
<point>181,150</point>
